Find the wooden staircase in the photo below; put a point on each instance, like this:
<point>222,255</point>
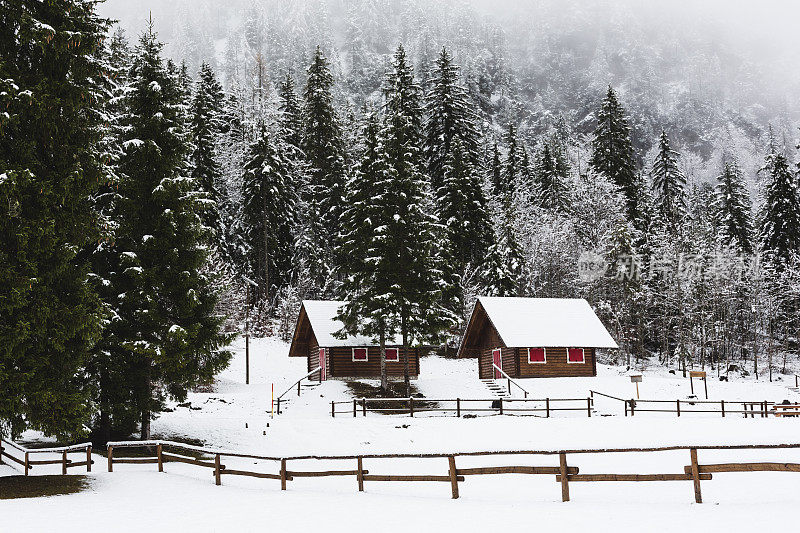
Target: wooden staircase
<point>496,389</point>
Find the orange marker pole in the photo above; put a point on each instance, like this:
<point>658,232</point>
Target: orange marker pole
<point>272,403</point>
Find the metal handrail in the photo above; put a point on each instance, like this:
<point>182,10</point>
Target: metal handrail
<point>510,381</point>
<point>296,383</point>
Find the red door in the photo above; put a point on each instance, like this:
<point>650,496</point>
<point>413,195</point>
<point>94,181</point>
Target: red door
<point>497,359</point>
<point>323,374</point>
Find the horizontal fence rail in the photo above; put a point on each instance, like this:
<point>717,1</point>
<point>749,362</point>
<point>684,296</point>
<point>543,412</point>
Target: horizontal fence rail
<point>27,464</point>
<point>749,409</point>
<point>564,473</point>
<point>461,406</point>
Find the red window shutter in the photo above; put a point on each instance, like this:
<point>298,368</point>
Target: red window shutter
<point>392,355</point>
<point>576,355</point>
<point>359,354</point>
<point>536,355</point>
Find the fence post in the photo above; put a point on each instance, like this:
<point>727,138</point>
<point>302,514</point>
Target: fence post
<point>283,474</point>
<point>411,406</point>
<point>298,388</point>
<point>26,463</point>
<point>722,404</point>
<point>632,407</point>
<point>64,463</point>
<point>765,412</point>
<point>501,406</point>
<point>626,406</point>
<point>698,497</point>
<point>678,405</point>
<point>453,476</point>
<point>333,410</point>
<point>217,470</point>
<point>110,458</point>
<point>458,407</point>
<point>355,408</point>
<point>89,458</point>
<point>589,407</point>
<point>562,459</point>
<point>1,450</point>
<point>547,407</point>
<point>159,449</point>
<point>364,406</point>
<point>360,475</point>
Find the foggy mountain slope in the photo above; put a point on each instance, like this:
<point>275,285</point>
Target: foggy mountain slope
<point>706,73</point>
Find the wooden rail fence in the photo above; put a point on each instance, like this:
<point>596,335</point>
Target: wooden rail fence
<point>27,464</point>
<point>564,473</point>
<point>461,406</point>
<point>760,409</point>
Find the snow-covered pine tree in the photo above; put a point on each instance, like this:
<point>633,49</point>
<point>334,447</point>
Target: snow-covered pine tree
<point>325,153</point>
<point>511,167</point>
<point>732,209</point>
<point>461,208</point>
<point>669,186</point>
<point>612,152</point>
<point>407,251</point>
<point>780,233</point>
<point>52,87</point>
<point>496,172</point>
<point>291,110</point>
<point>550,189</point>
<point>268,216</point>
<point>365,222</point>
<point>501,273</point>
<point>166,322</point>
<point>450,115</point>
<point>205,115</point>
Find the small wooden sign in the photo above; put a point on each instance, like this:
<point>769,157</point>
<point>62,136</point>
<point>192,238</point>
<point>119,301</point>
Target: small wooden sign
<point>636,379</point>
<point>697,374</point>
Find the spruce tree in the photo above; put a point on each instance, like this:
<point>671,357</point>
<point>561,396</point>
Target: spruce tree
<point>324,151</point>
<point>206,126</point>
<point>549,186</point>
<point>669,186</point>
<point>52,90</point>
<point>365,222</point>
<point>165,324</point>
<point>511,167</point>
<point>780,234</point>
<point>291,110</point>
<point>450,115</point>
<point>462,210</point>
<point>268,216</point>
<point>612,151</point>
<point>496,173</point>
<point>501,274</point>
<point>733,209</point>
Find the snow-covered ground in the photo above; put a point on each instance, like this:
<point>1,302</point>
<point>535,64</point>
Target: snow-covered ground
<point>236,417</point>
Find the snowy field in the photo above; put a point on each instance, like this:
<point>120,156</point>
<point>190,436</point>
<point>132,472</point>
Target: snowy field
<point>235,417</point>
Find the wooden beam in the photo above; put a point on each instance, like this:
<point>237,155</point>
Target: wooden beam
<point>633,477</point>
<point>361,473</point>
<point>698,497</point>
<point>326,473</point>
<point>745,467</point>
<point>445,479</point>
<point>250,474</point>
<point>453,476</point>
<point>516,470</point>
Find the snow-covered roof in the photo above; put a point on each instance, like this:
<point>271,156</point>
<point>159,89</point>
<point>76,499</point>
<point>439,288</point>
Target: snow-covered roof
<point>322,316</point>
<point>526,322</point>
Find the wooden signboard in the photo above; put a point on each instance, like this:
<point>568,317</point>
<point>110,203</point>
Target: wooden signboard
<point>698,374</point>
<point>636,378</point>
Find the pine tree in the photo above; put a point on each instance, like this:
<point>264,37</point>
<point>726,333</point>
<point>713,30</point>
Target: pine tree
<point>501,274</point>
<point>549,186</point>
<point>496,173</point>
<point>268,216</point>
<point>612,152</point>
<point>206,126</point>
<point>291,109</point>
<point>52,91</point>
<point>165,324</point>
<point>450,115</point>
<point>462,210</point>
<point>780,235</point>
<point>511,167</point>
<point>669,185</point>
<point>324,150</point>
<point>403,251</point>
<point>733,209</point>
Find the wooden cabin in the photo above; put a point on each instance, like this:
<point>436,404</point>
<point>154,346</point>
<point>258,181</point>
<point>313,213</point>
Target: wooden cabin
<point>349,358</point>
<point>534,337</point>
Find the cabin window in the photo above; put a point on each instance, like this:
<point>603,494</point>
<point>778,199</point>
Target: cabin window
<point>537,356</point>
<point>359,354</point>
<point>575,355</point>
<point>392,355</point>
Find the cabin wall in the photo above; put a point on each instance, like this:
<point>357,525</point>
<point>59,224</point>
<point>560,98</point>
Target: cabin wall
<point>313,358</point>
<point>341,364</point>
<point>557,365</point>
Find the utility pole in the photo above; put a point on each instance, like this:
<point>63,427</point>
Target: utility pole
<point>248,284</point>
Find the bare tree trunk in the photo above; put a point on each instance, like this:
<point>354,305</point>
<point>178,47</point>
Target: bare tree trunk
<point>384,379</point>
<point>406,372</point>
<point>145,433</point>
